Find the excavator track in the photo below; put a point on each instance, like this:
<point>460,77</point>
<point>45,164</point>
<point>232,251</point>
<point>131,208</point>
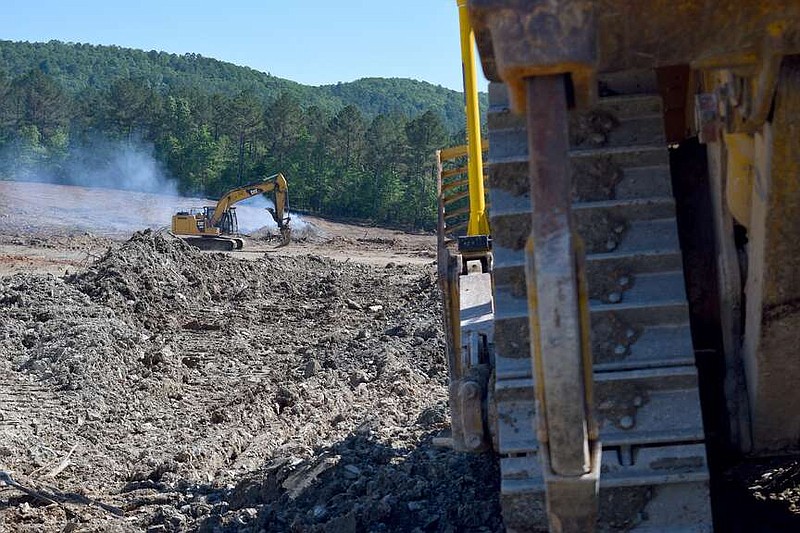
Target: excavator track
<point>212,244</point>
<point>654,475</point>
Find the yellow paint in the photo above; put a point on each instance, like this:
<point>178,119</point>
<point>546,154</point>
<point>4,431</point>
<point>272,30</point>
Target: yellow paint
<point>454,152</point>
<point>197,224</point>
<point>478,222</point>
<point>190,225</point>
<point>739,183</point>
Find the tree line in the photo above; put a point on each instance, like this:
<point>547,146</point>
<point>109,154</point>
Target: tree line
<point>339,162</point>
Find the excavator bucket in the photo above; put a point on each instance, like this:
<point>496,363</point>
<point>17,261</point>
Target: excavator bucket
<point>286,236</point>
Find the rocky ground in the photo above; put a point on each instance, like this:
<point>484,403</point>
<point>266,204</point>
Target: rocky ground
<point>147,386</point>
<point>192,390</point>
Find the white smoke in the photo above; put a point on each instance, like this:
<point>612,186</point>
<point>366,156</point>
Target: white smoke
<point>75,199</point>
<point>129,166</point>
<point>253,216</point>
<point>100,162</point>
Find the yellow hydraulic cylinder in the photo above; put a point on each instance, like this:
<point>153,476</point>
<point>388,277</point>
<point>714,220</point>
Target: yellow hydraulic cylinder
<point>478,223</point>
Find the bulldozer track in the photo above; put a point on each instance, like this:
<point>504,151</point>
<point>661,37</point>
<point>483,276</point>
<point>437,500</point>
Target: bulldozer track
<point>647,405</point>
<point>22,400</point>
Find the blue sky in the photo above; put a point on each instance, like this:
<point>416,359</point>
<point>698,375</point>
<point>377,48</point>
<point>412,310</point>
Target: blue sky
<point>310,41</point>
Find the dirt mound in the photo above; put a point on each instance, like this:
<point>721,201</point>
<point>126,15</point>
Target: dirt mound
<point>199,390</point>
<point>302,231</point>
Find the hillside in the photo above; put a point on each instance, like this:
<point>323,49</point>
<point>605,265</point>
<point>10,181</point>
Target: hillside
<point>80,67</point>
<point>105,116</point>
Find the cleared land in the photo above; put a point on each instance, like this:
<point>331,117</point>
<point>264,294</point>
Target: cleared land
<point>274,389</point>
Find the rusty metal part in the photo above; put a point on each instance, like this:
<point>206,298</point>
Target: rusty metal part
<point>570,454</point>
<point>468,325</point>
<point>553,289</point>
<point>707,120</point>
<point>471,396</point>
<point>520,38</point>
<point>772,289</point>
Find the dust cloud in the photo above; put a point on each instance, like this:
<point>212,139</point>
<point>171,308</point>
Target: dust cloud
<point>112,187</point>
<point>111,164</point>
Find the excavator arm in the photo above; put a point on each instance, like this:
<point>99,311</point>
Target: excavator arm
<point>275,184</point>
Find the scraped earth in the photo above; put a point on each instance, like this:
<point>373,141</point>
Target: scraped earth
<point>148,386</point>
<point>275,390</point>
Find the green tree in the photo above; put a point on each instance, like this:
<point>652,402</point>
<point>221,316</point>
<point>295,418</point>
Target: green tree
<point>283,129</point>
<point>386,148</point>
<point>426,134</point>
<point>40,102</point>
<point>244,119</point>
<point>346,138</point>
<point>132,106</point>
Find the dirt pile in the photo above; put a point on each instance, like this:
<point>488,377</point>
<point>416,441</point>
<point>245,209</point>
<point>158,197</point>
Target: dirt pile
<point>199,390</point>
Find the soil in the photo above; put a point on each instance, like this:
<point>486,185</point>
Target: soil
<point>148,386</point>
<point>276,389</point>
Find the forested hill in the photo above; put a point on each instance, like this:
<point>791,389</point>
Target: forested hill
<point>78,67</point>
<point>115,117</point>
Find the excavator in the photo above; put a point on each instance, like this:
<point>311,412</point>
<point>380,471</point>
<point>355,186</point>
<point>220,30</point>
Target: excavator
<point>621,288</point>
<point>216,227</point>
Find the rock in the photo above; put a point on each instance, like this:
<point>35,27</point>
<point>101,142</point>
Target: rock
<point>352,304</point>
<point>319,512</point>
<point>341,524</point>
<point>246,516</point>
<point>351,471</point>
<point>312,368</point>
<point>358,376</point>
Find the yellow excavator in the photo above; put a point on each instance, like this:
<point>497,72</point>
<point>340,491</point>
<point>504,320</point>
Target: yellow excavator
<point>636,250</point>
<point>217,228</point>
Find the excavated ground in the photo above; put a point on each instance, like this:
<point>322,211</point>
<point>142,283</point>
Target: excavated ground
<point>147,386</point>
<point>202,391</point>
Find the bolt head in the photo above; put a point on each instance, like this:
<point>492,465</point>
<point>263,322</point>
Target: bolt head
<point>620,349</point>
<point>626,422</point>
<point>615,297</point>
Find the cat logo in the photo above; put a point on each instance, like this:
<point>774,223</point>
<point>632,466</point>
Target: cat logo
<point>253,192</point>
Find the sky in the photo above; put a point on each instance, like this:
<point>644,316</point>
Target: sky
<point>314,42</point>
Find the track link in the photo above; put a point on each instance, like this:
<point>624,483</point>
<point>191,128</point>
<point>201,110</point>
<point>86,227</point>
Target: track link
<point>654,474</point>
<point>213,244</point>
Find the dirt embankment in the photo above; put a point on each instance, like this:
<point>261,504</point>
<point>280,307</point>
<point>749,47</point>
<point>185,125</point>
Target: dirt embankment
<point>200,391</point>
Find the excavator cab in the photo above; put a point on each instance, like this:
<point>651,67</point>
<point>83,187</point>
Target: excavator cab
<point>228,224</point>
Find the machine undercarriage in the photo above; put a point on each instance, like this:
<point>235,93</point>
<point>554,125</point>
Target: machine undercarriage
<point>571,349</point>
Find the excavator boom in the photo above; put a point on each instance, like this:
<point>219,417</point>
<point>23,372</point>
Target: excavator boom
<point>275,183</point>
<point>210,229</point>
